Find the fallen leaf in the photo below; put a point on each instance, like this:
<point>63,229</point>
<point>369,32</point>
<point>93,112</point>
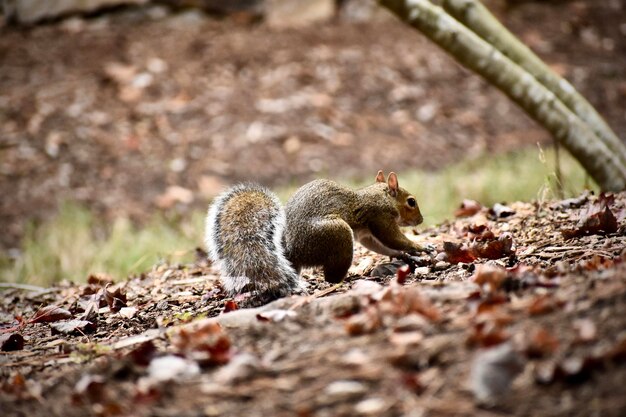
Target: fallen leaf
<point>479,232</point>
<point>499,211</point>
<point>494,249</point>
<point>11,341</point>
<point>458,252</point>
<point>543,304</point>
<point>570,203</point>
<point>487,334</point>
<point>204,342</point>
<point>100,279</point>
<point>491,276</point>
<point>90,389</point>
<point>143,354</point>
<point>76,326</point>
<point>596,219</point>
<point>541,343</point>
<point>115,300</point>
<point>230,305</point>
<point>49,314</point>
<point>468,208</point>
<point>365,322</point>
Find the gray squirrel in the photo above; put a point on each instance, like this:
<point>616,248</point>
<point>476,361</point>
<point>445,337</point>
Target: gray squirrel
<point>260,247</point>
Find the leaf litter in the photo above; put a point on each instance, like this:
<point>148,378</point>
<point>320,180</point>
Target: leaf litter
<point>540,319</point>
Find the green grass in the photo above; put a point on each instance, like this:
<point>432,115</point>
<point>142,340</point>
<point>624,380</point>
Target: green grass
<point>523,175</point>
<point>74,244</point>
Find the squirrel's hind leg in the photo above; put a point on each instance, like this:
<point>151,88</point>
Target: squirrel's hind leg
<point>336,235</point>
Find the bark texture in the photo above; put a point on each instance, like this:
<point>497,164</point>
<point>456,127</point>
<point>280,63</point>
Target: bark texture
<point>601,160</point>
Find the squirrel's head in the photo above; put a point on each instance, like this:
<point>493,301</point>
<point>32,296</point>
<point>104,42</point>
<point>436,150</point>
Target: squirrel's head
<point>406,203</point>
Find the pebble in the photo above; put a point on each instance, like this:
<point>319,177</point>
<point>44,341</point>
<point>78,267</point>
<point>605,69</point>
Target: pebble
<point>441,265</point>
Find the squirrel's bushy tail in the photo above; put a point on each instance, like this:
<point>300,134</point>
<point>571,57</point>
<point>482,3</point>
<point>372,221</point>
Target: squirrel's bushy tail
<point>244,231</point>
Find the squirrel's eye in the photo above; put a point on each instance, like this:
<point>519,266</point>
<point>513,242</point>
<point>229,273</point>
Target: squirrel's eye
<point>411,202</point>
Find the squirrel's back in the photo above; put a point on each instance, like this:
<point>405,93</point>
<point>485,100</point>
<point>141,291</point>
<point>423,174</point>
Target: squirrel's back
<point>244,230</point>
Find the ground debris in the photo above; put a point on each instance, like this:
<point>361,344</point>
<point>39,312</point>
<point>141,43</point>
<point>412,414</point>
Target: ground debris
<point>373,345</point>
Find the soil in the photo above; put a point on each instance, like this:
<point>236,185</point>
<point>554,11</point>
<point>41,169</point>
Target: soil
<point>111,111</point>
<point>142,110</point>
<point>545,314</point>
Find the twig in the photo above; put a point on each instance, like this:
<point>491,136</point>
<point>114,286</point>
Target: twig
<point>306,300</point>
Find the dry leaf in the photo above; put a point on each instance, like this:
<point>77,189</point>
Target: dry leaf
<point>49,314</point>
<point>491,276</point>
<point>11,341</point>
<point>76,327</point>
<point>468,208</point>
<point>541,343</point>
<point>115,300</point>
<point>597,218</point>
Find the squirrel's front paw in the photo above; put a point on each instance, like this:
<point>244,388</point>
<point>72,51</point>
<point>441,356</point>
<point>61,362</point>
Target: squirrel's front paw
<point>429,248</point>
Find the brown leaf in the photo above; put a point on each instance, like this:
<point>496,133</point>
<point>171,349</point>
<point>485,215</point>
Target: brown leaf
<point>596,219</point>
<point>487,335</point>
<point>543,304</point>
<point>89,389</point>
<point>100,279</point>
<point>49,314</point>
<point>468,208</point>
<point>363,323</point>
<point>494,249</point>
<point>411,300</point>
<point>541,343</point>
<point>492,276</point>
<point>230,305</point>
<point>115,300</point>
<point>11,341</point>
<point>479,232</point>
<point>499,211</point>
<point>412,382</point>
<point>458,252</point>
<point>143,354</point>
<point>205,343</point>
<point>75,327</point>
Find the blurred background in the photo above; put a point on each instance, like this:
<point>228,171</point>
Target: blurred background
<point>121,119</point>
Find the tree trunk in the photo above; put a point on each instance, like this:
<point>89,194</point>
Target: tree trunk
<point>474,15</point>
<point>601,162</point>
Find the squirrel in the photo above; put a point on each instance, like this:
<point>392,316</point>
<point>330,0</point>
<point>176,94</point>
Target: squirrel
<point>260,247</point>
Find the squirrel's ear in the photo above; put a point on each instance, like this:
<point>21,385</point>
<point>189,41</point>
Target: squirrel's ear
<point>380,177</point>
<point>392,182</point>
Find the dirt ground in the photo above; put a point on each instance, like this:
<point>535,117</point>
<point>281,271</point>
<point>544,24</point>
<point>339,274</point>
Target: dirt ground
<point>545,314</point>
<point>133,112</point>
<point>115,110</point>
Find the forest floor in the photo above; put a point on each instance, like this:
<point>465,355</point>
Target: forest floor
<point>138,112</point>
<point>531,295</point>
<point>130,115</point>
